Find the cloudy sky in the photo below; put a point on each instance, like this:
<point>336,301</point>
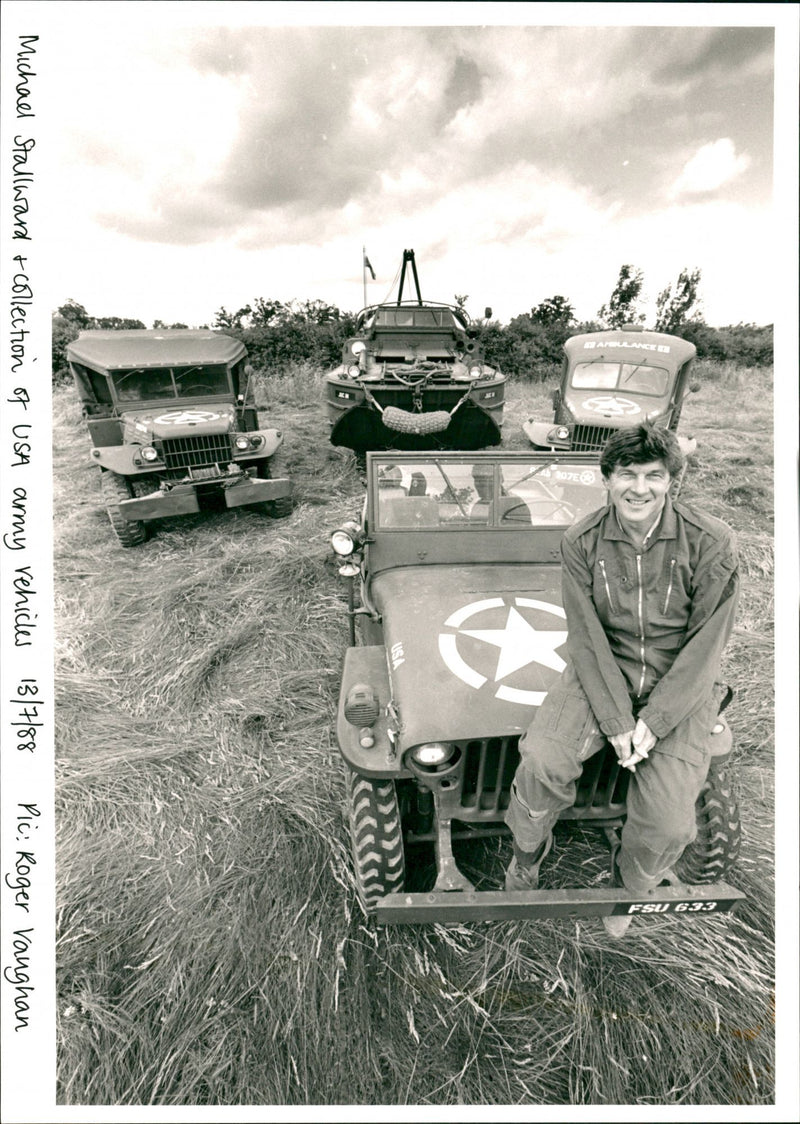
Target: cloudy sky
<point>208,164</point>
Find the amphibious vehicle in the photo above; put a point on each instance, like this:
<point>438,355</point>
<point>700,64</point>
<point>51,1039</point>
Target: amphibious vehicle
<point>414,377</point>
<point>457,633</point>
<point>173,424</point>
<point>618,377</point>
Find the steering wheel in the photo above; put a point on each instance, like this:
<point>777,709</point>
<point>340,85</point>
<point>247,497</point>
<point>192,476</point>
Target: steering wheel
<point>556,504</point>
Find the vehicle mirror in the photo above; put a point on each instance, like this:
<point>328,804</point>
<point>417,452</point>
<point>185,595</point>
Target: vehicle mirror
<point>694,388</point>
<point>248,370</point>
<point>487,312</point>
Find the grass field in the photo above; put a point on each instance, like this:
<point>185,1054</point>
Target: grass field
<point>210,946</point>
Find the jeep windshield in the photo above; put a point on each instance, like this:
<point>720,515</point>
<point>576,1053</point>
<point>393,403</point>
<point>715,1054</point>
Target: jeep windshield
<point>636,378</point>
<point>432,492</point>
<point>141,384</point>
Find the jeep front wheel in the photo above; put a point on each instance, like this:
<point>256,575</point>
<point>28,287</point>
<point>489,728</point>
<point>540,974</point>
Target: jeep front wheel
<point>716,847</point>
<point>116,488</point>
<point>376,836</point>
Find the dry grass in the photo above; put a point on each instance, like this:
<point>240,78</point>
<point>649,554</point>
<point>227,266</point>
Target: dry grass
<point>210,947</point>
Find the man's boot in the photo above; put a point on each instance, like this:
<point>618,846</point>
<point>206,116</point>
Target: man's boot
<point>523,870</point>
<point>616,925</point>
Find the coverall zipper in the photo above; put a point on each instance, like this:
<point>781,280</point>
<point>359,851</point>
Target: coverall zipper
<point>641,623</point>
<point>608,591</point>
<point>669,587</point>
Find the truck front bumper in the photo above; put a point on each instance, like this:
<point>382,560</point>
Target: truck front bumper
<point>183,498</point>
<point>455,906</point>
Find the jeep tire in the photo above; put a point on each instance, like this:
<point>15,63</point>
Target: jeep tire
<point>716,847</point>
<point>376,836</point>
<point>116,488</point>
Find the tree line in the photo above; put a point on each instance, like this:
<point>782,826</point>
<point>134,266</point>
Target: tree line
<point>278,333</point>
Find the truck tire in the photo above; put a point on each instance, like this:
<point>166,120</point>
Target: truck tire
<point>716,847</point>
<point>115,488</point>
<point>273,469</point>
<point>376,836</point>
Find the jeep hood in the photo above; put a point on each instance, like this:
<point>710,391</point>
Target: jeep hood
<point>176,419</point>
<point>471,650</point>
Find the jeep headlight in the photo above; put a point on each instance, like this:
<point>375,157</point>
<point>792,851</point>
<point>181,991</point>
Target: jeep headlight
<point>148,453</point>
<point>345,539</point>
<point>431,754</point>
<point>242,443</point>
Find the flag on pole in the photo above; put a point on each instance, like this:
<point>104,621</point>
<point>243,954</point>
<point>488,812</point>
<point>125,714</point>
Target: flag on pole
<point>368,265</point>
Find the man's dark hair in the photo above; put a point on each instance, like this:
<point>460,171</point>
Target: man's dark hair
<point>640,444</point>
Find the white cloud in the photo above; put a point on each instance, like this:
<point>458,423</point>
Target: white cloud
<point>711,166</point>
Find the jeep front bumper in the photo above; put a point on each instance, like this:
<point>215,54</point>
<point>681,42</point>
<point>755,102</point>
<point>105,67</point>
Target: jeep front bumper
<point>444,907</point>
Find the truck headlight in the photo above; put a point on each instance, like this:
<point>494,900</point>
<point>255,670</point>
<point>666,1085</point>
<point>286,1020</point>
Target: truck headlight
<point>242,443</point>
<point>560,433</point>
<point>431,754</point>
<point>475,371</point>
<point>148,453</point>
<point>354,370</point>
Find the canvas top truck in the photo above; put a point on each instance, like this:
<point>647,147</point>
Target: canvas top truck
<point>457,633</point>
<point>622,376</point>
<point>414,377</point>
<point>173,423</point>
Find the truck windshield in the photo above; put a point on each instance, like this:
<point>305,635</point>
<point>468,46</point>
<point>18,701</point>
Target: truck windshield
<point>437,493</point>
<point>638,378</point>
<point>142,384</point>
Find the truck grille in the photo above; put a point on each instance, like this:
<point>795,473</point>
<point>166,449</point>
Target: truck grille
<point>489,767</point>
<point>590,438</point>
<point>195,452</point>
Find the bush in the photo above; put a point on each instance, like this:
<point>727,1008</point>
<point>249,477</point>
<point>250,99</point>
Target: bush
<point>745,344</point>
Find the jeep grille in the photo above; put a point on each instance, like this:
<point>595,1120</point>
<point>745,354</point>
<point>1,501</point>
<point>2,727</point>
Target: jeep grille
<point>195,452</point>
<point>489,767</point>
<point>590,438</point>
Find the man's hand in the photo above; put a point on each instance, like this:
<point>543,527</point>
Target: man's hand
<point>622,745</point>
<point>643,738</point>
<point>642,741</point>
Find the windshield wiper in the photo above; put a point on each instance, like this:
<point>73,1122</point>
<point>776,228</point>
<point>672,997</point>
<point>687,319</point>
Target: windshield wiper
<point>451,489</point>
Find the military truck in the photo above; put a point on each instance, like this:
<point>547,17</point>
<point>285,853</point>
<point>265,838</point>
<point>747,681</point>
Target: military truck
<point>173,424</point>
<point>414,377</point>
<point>617,377</point>
<point>457,632</point>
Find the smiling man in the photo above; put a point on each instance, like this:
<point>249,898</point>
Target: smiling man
<point>650,588</point>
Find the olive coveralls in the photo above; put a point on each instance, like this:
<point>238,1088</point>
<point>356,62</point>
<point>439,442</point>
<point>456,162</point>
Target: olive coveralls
<point>647,628</point>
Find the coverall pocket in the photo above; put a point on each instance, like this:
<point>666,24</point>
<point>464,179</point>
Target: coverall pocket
<point>568,719</point>
<point>690,741</point>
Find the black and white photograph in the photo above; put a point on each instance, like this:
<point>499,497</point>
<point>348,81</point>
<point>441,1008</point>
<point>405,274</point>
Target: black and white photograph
<point>398,509</point>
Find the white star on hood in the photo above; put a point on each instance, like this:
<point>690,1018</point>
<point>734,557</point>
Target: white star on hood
<point>520,644</point>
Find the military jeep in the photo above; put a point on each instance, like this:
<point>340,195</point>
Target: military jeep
<point>414,377</point>
<point>618,377</point>
<point>173,425</point>
<point>457,632</point>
